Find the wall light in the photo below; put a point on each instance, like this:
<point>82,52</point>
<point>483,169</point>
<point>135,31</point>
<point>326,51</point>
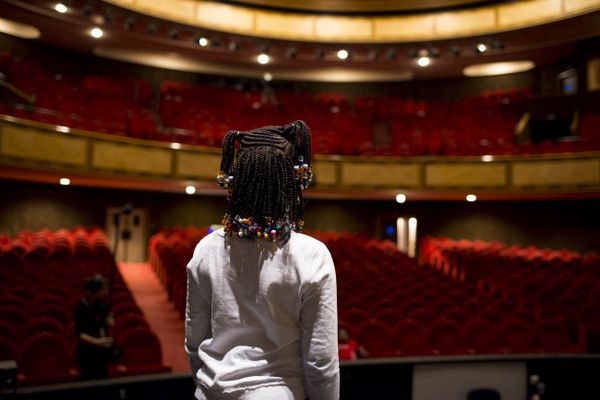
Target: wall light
<point>343,54</point>
<point>263,58</point>
<point>423,61</point>
<point>471,198</point>
<point>190,189</point>
<point>400,198</point>
<point>64,181</point>
<point>97,33</point>
<point>487,158</point>
<point>61,8</point>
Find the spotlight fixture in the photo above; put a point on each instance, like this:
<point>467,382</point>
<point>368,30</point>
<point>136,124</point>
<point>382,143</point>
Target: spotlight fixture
<point>423,61</point>
<point>291,53</point>
<point>64,181</point>
<point>319,54</point>
<point>391,54</point>
<point>481,47</point>
<point>61,8</point>
<point>152,29</point>
<point>202,41</point>
<point>96,33</point>
<point>471,198</point>
<point>343,54</point>
<point>233,46</point>
<point>400,198</point>
<point>487,158</point>
<point>373,54</point>
<point>175,145</point>
<point>129,23</point>
<point>88,11</point>
<point>173,34</point>
<point>455,51</point>
<point>190,189</point>
<point>263,58</point>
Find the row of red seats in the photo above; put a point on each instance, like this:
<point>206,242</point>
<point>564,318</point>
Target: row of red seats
<point>409,337</point>
<point>557,282</point>
<point>202,114</point>
<point>43,275</point>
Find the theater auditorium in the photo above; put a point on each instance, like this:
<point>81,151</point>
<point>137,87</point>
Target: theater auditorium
<point>455,183</point>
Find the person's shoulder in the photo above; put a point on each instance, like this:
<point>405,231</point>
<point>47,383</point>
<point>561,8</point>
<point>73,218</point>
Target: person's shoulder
<point>212,239</point>
<point>307,241</point>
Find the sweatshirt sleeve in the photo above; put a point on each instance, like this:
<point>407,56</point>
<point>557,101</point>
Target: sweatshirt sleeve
<point>197,312</point>
<point>318,324</point>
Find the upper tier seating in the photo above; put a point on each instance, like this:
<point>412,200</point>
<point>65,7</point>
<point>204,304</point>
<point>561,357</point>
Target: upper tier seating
<point>202,114</point>
<point>395,307</point>
<point>42,276</point>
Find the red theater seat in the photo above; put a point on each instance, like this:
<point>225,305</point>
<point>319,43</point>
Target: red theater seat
<point>517,336</point>
<point>8,349</point>
<point>45,358</point>
<point>141,353</point>
<point>447,338</point>
<point>126,323</point>
<point>40,325</point>
<point>376,337</point>
<point>411,338</point>
<point>481,337</point>
<point>16,316</point>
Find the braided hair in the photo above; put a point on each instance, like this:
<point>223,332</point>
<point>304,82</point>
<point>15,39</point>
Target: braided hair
<point>264,187</point>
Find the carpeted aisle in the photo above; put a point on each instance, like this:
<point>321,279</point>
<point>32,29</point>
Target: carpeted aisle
<point>159,312</point>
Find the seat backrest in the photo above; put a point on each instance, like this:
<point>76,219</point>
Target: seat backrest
<point>516,336</point>
<point>56,312</point>
<point>45,357</point>
<point>411,337</point>
<point>127,322</point>
<point>14,315</point>
<point>140,347</point>
<point>8,349</point>
<point>552,335</point>
<point>375,336</point>
<point>481,336</point>
<point>42,324</point>
<point>447,338</point>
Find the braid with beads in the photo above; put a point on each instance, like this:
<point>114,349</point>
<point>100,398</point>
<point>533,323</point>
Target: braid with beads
<point>265,198</point>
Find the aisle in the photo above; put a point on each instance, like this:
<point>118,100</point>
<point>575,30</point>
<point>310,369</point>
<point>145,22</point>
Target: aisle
<point>159,312</point>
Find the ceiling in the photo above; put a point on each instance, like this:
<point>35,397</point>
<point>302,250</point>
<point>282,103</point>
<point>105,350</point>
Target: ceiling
<point>361,6</point>
<point>135,37</point>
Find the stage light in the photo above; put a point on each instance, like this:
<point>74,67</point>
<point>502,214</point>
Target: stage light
<point>487,158</point>
<point>471,198</point>
<point>97,33</point>
<point>291,53</point>
<point>190,189</point>
<point>400,198</point>
<point>423,61</point>
<point>175,145</point>
<point>343,54</point>
<point>263,58</point>
<point>202,41</point>
<point>61,8</point>
<point>65,181</point>
<point>481,47</point>
<point>267,76</point>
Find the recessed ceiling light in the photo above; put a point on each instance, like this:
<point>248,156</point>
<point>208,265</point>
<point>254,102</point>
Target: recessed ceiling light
<point>400,198</point>
<point>203,41</point>
<point>343,54</point>
<point>481,47</point>
<point>263,58</point>
<point>97,33</point>
<point>498,68</point>
<point>190,189</point>
<point>65,181</point>
<point>61,8</point>
<point>423,61</point>
<point>471,198</point>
